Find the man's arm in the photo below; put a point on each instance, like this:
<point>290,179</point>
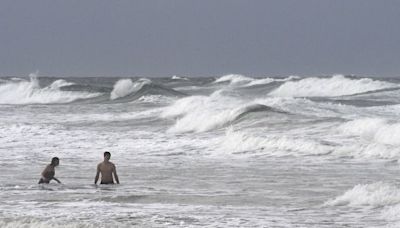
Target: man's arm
<point>56,180</point>
<point>97,174</point>
<point>115,174</point>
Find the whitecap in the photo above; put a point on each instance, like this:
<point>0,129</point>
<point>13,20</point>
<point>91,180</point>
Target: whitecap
<point>29,92</point>
<point>375,194</point>
<point>337,85</point>
<point>125,87</point>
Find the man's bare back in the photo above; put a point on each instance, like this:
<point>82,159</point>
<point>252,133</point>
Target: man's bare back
<point>107,170</point>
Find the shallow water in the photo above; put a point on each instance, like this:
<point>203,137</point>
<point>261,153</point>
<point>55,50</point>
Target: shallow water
<point>232,151</point>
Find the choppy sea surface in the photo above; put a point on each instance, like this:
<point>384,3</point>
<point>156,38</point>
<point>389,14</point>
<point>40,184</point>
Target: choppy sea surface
<point>227,151</point>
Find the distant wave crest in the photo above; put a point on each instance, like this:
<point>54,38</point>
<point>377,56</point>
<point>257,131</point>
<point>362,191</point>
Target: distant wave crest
<point>29,92</point>
<point>337,85</point>
<point>244,81</point>
<point>125,87</point>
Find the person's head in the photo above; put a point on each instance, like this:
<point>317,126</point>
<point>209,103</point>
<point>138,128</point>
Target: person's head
<point>55,161</point>
<point>107,155</point>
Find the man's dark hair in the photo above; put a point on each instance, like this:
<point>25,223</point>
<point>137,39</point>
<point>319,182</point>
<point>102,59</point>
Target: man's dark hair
<point>54,160</point>
<point>107,154</point>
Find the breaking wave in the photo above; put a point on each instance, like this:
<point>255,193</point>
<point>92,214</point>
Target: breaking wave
<point>376,194</point>
<point>125,87</point>
<point>30,92</point>
<point>159,99</point>
<point>337,85</point>
<point>234,79</point>
<point>240,80</point>
<point>373,129</point>
<point>204,113</point>
<point>239,142</point>
<point>375,138</point>
<point>142,90</point>
<point>60,83</point>
<point>175,77</point>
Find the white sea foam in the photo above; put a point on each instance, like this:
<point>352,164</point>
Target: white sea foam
<point>369,151</point>
<point>35,223</point>
<point>375,194</point>
<point>337,85</point>
<point>201,121</point>
<point>240,80</point>
<point>264,81</point>
<point>237,141</point>
<point>20,79</point>
<point>370,138</point>
<point>234,79</point>
<point>60,83</point>
<point>125,87</point>
<point>373,129</point>
<point>391,214</point>
<point>260,82</point>
<point>175,77</point>
<point>365,127</point>
<point>29,92</point>
<point>204,113</point>
<point>159,99</point>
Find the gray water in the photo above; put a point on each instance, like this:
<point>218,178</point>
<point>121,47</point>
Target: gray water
<point>230,151</point>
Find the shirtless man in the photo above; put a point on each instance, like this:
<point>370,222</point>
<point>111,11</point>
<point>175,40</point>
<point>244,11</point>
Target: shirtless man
<point>49,172</point>
<point>107,169</point>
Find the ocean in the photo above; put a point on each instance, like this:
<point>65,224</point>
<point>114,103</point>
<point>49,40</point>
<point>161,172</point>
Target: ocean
<point>226,151</point>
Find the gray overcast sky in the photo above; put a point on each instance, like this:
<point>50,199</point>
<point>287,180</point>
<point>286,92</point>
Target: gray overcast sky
<point>207,37</point>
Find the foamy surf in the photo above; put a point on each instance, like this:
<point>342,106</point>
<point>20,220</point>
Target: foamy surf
<point>204,113</point>
<point>376,194</point>
<point>29,92</point>
<point>240,142</point>
<point>201,153</point>
<point>379,198</point>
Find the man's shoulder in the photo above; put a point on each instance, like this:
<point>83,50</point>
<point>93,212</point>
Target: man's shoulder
<point>105,164</point>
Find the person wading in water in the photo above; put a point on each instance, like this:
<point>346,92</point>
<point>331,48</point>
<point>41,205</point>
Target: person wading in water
<point>107,170</point>
<point>49,172</point>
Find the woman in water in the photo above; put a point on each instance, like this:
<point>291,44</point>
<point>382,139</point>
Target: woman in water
<point>49,172</point>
